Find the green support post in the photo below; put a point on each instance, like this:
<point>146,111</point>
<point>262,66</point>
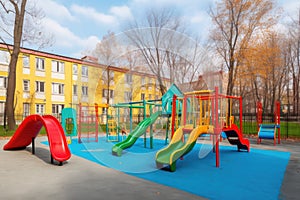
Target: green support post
<point>130,116</point>
<point>151,130</point>
<point>145,115</point>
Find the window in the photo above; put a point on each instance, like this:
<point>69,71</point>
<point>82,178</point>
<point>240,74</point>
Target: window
<point>57,88</point>
<point>58,66</point>
<point>2,106</point>
<point>105,93</point>
<point>57,108</point>
<point>26,109</point>
<point>26,85</point>
<point>128,78</point>
<point>40,64</point>
<point>4,57</point>
<point>128,96</point>
<point>39,86</point>
<point>75,69</point>
<point>143,82</point>
<point>150,81</point>
<point>26,61</point>
<point>84,90</point>
<point>143,96</point>
<point>84,71</point>
<point>3,82</point>
<point>75,90</point>
<point>39,109</point>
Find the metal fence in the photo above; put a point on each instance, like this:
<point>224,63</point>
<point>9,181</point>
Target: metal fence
<point>289,124</point>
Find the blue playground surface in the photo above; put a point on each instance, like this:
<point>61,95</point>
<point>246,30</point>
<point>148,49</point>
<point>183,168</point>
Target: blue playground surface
<point>241,175</point>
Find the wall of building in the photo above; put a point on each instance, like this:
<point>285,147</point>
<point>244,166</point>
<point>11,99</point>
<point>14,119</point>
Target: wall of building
<point>46,83</point>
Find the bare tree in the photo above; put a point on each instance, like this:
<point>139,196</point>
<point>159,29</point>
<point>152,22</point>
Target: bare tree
<point>235,22</point>
<point>23,18</point>
<point>293,61</point>
<point>107,51</point>
<point>166,49</point>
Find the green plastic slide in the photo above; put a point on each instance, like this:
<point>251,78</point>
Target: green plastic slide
<point>178,148</point>
<point>135,134</point>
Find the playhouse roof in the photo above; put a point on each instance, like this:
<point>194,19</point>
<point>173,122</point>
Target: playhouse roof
<point>173,90</point>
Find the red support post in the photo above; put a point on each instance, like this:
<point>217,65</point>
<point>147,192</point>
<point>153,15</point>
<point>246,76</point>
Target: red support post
<point>184,109</point>
<point>277,119</point>
<point>96,122</point>
<point>241,115</point>
<point>173,115</point>
<point>259,114</point>
<point>217,127</point>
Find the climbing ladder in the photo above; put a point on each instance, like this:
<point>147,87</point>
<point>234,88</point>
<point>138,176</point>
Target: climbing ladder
<point>112,130</point>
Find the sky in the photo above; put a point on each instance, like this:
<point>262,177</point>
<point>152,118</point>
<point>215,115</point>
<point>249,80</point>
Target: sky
<point>78,25</point>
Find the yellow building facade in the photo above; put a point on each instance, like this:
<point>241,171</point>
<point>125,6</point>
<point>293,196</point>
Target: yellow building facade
<point>46,83</point>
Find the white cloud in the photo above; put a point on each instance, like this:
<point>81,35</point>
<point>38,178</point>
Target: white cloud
<point>121,11</point>
<point>91,13</point>
<point>64,38</point>
<point>54,10</point>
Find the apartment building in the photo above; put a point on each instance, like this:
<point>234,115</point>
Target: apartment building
<point>46,83</point>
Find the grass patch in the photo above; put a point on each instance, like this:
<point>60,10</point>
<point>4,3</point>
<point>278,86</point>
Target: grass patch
<point>287,129</point>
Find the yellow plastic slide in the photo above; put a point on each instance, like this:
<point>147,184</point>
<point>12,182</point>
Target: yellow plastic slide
<point>177,147</point>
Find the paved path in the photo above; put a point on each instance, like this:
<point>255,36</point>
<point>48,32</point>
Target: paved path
<point>27,176</point>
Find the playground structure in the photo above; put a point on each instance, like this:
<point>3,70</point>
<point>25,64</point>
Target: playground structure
<point>89,122</point>
<point>268,131</point>
<point>117,125</point>
<point>69,123</point>
<point>28,131</point>
<point>203,112</point>
<point>156,109</point>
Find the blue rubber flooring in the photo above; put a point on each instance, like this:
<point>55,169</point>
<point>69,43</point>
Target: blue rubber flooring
<point>241,175</point>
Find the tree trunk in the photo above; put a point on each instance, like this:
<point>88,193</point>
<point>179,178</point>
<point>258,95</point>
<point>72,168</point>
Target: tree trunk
<point>10,94</point>
<point>11,84</point>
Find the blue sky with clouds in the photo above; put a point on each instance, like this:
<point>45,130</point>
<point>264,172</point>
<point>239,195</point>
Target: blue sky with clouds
<point>78,25</point>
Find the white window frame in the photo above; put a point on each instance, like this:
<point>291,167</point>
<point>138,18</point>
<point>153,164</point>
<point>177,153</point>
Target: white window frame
<point>40,109</point>
<point>105,93</point>
<point>57,108</point>
<point>40,86</point>
<point>4,57</point>
<point>75,69</point>
<point>26,109</point>
<point>75,90</point>
<point>3,82</point>
<point>26,61</point>
<point>143,81</point>
<point>84,90</point>
<point>128,78</point>
<point>128,96</point>
<point>84,71</point>
<point>40,64</point>
<point>57,66</point>
<point>26,85</point>
<point>58,88</point>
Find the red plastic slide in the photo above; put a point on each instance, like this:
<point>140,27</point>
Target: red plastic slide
<point>236,138</point>
<point>30,128</point>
